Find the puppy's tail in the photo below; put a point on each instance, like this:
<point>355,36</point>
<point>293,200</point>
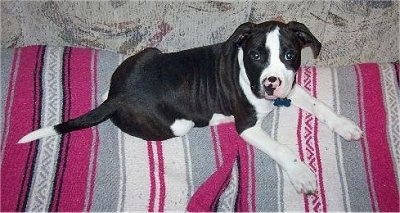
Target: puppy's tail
<point>92,118</point>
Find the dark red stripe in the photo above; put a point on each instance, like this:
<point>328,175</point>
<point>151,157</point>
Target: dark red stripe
<point>80,142</point>
<point>376,139</point>
<point>75,150</point>
<point>161,176</point>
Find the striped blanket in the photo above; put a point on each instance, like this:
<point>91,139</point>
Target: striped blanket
<point>103,169</point>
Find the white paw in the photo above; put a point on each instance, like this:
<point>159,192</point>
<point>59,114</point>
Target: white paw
<point>347,129</point>
<point>104,96</point>
<point>302,178</point>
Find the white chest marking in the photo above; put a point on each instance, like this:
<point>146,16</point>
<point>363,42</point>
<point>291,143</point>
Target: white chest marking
<point>181,127</point>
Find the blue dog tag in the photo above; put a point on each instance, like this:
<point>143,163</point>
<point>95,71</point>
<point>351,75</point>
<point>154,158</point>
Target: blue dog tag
<point>282,102</point>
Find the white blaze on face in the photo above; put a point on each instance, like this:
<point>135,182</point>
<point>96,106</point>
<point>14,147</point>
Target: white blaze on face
<point>276,68</point>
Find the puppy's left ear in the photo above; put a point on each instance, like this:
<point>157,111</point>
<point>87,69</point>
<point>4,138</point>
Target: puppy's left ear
<point>238,37</point>
<point>305,36</point>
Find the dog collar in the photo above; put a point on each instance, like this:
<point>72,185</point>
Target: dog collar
<point>282,102</point>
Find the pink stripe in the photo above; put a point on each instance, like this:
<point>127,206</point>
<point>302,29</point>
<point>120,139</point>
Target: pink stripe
<point>206,197</point>
<point>161,176</point>
<point>80,142</point>
<point>243,201</point>
<point>152,177</point>
<point>376,140</point>
<point>253,179</point>
<point>363,142</point>
<point>18,159</point>
<point>95,131</point>
<point>215,145</point>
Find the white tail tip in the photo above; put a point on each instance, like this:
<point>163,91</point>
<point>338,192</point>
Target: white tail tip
<point>37,134</point>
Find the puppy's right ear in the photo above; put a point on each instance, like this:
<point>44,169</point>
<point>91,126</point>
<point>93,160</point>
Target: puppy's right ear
<point>236,39</point>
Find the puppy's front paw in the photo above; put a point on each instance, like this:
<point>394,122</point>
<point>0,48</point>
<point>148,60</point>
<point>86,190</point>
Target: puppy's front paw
<point>347,129</point>
<point>302,178</point>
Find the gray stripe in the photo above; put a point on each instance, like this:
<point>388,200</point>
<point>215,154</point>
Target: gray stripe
<point>6,65</point>
<point>106,193</point>
<point>352,151</point>
<point>8,113</point>
<point>92,160</point>
<point>202,155</point>
<point>336,139</point>
<point>266,174</point>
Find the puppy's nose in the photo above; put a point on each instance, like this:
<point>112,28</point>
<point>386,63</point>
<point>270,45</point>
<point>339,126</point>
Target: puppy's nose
<point>273,81</point>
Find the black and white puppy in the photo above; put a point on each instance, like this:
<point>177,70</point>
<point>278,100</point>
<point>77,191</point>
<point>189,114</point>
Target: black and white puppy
<point>157,96</point>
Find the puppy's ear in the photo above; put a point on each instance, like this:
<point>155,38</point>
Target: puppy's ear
<point>237,38</point>
<point>305,36</point>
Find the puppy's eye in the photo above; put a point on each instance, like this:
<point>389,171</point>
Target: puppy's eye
<point>289,55</point>
<point>255,55</point>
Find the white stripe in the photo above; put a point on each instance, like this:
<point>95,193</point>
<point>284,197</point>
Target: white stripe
<point>391,89</point>
<point>122,171</point>
<point>176,185</point>
<point>156,176</point>
<point>329,165</point>
<point>122,174</point>
<point>45,165</point>
<point>189,166</point>
<point>214,130</point>
<point>137,182</point>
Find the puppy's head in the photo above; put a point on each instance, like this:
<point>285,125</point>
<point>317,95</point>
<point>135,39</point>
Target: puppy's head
<point>269,55</point>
